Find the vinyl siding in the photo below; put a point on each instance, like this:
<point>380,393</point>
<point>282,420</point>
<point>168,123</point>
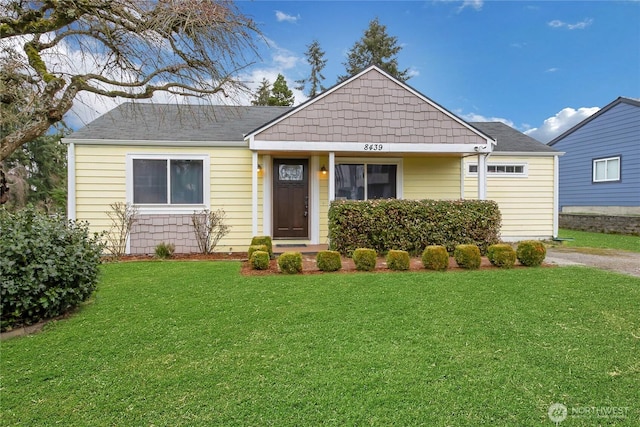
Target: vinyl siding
<point>100,181</point>
<point>614,133</point>
<point>431,178</point>
<point>526,203</point>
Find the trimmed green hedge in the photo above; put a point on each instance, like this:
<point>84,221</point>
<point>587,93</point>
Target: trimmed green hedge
<point>364,259</point>
<point>290,262</point>
<point>263,240</point>
<point>435,258</point>
<point>398,260</point>
<point>412,225</point>
<point>328,261</point>
<point>531,253</point>
<point>259,260</point>
<point>501,255</point>
<point>467,256</point>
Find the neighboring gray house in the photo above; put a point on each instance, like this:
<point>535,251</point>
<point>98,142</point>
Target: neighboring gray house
<point>600,172</point>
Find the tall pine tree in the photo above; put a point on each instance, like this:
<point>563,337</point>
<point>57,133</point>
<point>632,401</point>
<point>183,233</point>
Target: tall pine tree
<point>280,93</point>
<point>261,97</point>
<point>376,47</point>
<point>315,58</point>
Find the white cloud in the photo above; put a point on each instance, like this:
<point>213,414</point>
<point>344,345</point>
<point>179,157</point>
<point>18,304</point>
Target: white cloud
<point>565,119</point>
<point>283,17</point>
<point>551,70</point>
<point>556,23</point>
<point>474,4</point>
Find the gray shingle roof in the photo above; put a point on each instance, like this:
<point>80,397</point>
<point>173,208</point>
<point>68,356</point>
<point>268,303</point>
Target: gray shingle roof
<point>173,122</point>
<point>224,123</point>
<point>509,140</point>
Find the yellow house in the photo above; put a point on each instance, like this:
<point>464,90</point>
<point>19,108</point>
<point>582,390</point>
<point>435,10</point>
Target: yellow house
<point>275,170</point>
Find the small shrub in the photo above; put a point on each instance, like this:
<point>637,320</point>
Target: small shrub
<point>259,260</point>
<point>123,216</point>
<point>501,255</point>
<point>263,240</point>
<point>209,228</point>
<point>290,262</point>
<point>364,259</point>
<point>254,248</point>
<point>467,256</point>
<point>165,250</point>
<point>531,253</point>
<point>398,260</point>
<point>435,257</point>
<point>329,261</point>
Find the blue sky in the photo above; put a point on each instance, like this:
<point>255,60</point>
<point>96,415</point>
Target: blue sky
<point>539,66</point>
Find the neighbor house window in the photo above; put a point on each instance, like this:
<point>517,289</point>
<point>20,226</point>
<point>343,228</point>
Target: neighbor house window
<point>365,181</point>
<point>606,169</point>
<point>168,181</point>
<point>497,169</point>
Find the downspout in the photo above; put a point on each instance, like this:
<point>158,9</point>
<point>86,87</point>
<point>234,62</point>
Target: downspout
<point>332,184</point>
<point>556,194</point>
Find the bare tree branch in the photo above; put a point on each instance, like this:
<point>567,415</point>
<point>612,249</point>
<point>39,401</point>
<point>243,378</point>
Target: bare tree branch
<point>50,51</point>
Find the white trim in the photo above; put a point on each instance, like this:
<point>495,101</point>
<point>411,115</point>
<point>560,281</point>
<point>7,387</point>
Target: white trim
<point>462,174</point>
<point>524,174</point>
<point>526,154</point>
<point>332,171</point>
<point>556,194</point>
<point>399,162</point>
<point>254,193</point>
<point>482,177</point>
<point>267,194</point>
<point>606,168</point>
<point>314,200</point>
<point>71,181</point>
<point>161,209</point>
<point>437,107</point>
<point>361,147</point>
<point>155,143</point>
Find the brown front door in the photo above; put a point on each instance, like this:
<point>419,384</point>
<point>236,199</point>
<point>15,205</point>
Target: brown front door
<point>291,198</point>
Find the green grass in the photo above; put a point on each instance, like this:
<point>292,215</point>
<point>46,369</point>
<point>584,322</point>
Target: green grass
<point>583,239</point>
<point>197,344</point>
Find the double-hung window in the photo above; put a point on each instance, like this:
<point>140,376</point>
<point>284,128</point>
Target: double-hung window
<point>366,181</point>
<point>168,180</point>
<point>606,169</point>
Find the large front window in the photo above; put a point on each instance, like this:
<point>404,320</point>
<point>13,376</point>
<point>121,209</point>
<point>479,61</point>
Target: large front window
<point>168,181</point>
<point>365,181</point>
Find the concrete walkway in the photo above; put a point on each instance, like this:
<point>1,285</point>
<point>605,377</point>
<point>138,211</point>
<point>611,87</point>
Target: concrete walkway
<point>607,259</point>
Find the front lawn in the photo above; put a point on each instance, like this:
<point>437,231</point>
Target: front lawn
<point>583,239</point>
<point>197,344</point>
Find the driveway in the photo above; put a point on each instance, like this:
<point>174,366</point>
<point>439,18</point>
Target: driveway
<point>607,259</point>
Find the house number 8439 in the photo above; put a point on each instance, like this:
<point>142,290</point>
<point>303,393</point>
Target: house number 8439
<point>373,147</point>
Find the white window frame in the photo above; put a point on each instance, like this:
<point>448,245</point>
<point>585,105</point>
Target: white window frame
<point>376,161</point>
<point>169,208</point>
<point>606,169</point>
<point>523,174</point>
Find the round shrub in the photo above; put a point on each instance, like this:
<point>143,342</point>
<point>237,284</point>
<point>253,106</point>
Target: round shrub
<point>467,256</point>
<point>329,260</point>
<point>254,248</point>
<point>501,255</point>
<point>435,257</point>
<point>165,250</point>
<point>364,259</point>
<point>47,266</point>
<point>259,260</point>
<point>290,262</point>
<point>398,260</point>
<point>531,253</point>
<point>263,240</point>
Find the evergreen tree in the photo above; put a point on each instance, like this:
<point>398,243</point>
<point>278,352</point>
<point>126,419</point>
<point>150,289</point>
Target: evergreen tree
<point>263,93</point>
<point>37,175</point>
<point>280,93</point>
<point>315,58</point>
<point>375,47</point>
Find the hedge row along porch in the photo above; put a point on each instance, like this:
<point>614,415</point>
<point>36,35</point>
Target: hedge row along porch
<point>275,170</point>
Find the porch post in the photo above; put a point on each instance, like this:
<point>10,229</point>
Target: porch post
<point>254,193</point>
<point>482,177</point>
<point>332,182</point>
